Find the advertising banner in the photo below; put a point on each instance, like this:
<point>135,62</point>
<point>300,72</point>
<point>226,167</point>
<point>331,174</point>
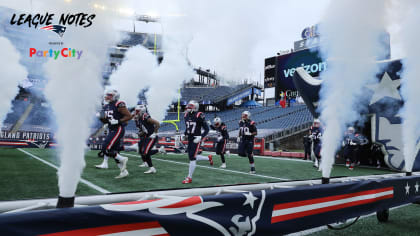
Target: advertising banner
<point>262,212</point>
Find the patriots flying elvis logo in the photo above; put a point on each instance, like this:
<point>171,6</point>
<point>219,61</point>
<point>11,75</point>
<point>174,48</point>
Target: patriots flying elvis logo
<point>55,28</point>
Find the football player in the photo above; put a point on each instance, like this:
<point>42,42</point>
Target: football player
<point>349,146</point>
<point>315,136</point>
<point>222,138</point>
<point>247,132</point>
<point>148,129</point>
<point>116,115</point>
<point>307,147</point>
<point>194,122</point>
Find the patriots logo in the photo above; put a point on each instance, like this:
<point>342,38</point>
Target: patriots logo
<point>56,28</point>
<point>243,220</point>
<point>39,144</point>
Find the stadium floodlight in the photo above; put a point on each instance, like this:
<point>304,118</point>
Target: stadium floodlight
<point>147,18</point>
<point>99,6</point>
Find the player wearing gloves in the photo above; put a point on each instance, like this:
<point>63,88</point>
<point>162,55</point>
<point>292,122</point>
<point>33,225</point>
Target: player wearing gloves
<point>194,122</point>
<point>148,129</point>
<point>116,115</point>
<point>247,132</point>
<point>222,139</point>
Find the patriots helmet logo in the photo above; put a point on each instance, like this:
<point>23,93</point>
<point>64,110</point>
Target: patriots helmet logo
<point>56,28</point>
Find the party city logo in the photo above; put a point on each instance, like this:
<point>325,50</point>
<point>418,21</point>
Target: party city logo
<point>64,52</point>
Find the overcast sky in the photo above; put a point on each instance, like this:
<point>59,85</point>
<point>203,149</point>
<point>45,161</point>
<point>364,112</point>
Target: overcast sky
<point>232,37</point>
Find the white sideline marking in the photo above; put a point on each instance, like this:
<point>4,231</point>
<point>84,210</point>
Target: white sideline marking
<point>215,168</point>
<point>90,184</point>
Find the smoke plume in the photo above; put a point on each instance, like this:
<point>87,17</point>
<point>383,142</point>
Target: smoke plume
<point>174,69</point>
<point>12,72</point>
<point>350,42</point>
<point>74,88</point>
<point>134,74</point>
<point>410,83</point>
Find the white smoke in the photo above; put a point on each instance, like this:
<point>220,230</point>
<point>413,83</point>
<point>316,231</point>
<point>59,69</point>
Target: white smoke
<point>139,70</point>
<point>227,37</point>
<point>74,88</point>
<point>410,83</point>
<point>11,72</point>
<point>227,34</point>
<point>134,74</point>
<point>167,79</point>
<point>233,38</point>
<point>205,33</point>
<point>350,32</point>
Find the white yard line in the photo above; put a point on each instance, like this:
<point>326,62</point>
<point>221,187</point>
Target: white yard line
<point>214,168</point>
<point>90,184</point>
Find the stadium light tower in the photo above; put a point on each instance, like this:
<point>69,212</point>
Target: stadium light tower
<point>147,18</point>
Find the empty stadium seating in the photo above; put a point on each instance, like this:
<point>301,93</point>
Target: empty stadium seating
<point>269,119</point>
<point>133,39</point>
<point>213,94</point>
<point>39,118</point>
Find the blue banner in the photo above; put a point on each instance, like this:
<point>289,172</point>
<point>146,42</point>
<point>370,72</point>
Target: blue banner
<point>238,97</point>
<point>263,212</point>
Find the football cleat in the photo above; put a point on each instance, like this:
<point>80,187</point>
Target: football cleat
<point>144,164</point>
<point>152,170</point>
<point>124,164</point>
<point>187,180</point>
<point>102,166</point>
<point>223,166</point>
<point>122,174</point>
<point>252,172</point>
<point>162,150</point>
<point>211,159</point>
<point>316,163</point>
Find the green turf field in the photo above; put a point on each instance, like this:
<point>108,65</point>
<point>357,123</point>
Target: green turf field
<point>23,176</point>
